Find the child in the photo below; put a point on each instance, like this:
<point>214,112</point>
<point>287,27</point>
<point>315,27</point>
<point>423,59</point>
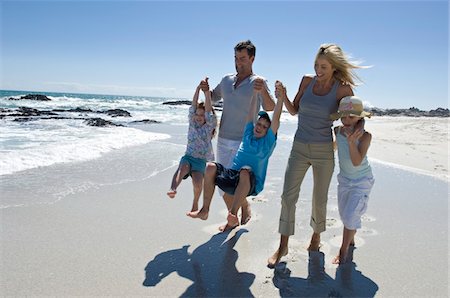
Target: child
<point>355,178</point>
<point>247,174</point>
<point>202,126</point>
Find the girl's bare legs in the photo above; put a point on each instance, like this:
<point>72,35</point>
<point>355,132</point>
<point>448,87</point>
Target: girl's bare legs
<point>281,252</point>
<point>347,240</point>
<point>208,192</point>
<point>197,184</point>
<point>182,170</point>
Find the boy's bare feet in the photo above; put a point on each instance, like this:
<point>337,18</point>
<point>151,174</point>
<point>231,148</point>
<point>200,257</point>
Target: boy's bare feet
<point>232,222</point>
<point>202,214</point>
<point>314,245</point>
<point>246,214</point>
<point>171,193</point>
<point>275,258</point>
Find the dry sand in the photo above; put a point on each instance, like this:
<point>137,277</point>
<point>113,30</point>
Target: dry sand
<point>418,143</point>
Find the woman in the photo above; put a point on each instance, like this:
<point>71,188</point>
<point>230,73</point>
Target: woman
<point>317,97</point>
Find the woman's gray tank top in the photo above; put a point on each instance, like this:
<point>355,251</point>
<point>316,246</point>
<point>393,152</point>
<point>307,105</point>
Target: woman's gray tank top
<point>314,124</point>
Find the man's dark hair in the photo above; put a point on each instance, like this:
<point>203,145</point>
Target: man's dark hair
<point>246,45</point>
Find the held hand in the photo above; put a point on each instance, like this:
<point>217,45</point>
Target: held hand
<point>258,85</point>
<point>204,85</point>
<point>280,90</point>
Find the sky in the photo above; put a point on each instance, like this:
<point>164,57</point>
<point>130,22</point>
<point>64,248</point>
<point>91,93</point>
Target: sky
<point>164,48</point>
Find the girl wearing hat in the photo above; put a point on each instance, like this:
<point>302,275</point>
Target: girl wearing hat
<point>318,96</point>
<point>355,179</point>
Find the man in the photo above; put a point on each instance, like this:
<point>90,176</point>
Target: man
<point>236,90</point>
<point>247,174</point>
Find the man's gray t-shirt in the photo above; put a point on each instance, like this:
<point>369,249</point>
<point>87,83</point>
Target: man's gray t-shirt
<point>236,105</point>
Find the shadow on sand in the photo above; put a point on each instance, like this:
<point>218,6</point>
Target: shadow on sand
<point>349,282</point>
<point>211,267</point>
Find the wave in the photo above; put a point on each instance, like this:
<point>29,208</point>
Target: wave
<point>73,149</point>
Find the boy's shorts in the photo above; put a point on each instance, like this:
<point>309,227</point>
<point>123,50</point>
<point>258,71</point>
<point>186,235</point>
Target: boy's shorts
<point>196,164</point>
<point>228,179</point>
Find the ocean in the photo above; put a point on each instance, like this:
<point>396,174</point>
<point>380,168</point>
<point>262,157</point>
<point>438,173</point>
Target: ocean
<point>34,152</point>
<point>38,143</point>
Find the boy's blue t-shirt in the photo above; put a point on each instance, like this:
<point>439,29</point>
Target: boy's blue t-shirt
<point>255,153</point>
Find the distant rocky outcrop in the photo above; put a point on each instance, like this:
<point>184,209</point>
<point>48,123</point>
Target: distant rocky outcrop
<point>32,97</point>
<point>178,102</point>
<point>218,104</point>
<point>146,121</point>
<point>411,112</point>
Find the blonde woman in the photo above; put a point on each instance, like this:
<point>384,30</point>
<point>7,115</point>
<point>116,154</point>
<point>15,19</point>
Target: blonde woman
<point>318,96</point>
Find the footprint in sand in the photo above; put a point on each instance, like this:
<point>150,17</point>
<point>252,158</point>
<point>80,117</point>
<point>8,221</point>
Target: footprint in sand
<point>259,199</point>
<point>336,241</point>
<point>367,232</point>
<point>333,208</point>
<point>367,218</point>
<point>333,223</point>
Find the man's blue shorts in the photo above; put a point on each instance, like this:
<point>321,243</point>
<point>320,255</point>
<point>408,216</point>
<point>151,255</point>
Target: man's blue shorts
<point>228,179</point>
<point>196,164</point>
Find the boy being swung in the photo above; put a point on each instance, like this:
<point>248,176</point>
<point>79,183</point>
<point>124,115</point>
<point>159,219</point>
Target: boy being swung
<point>247,175</point>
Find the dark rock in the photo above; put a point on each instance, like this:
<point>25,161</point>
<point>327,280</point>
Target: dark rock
<point>439,112</point>
<point>117,113</point>
<point>23,119</point>
<point>32,97</point>
<point>178,103</point>
<point>146,121</point>
<point>25,111</point>
<point>99,122</point>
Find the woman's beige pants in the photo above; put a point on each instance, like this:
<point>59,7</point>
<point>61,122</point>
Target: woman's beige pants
<point>321,158</point>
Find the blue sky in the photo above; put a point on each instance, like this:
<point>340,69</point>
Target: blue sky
<point>155,48</point>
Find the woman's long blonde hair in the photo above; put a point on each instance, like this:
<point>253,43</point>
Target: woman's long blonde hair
<point>341,62</point>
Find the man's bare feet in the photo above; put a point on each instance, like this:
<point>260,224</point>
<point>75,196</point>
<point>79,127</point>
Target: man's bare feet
<point>276,257</point>
<point>314,245</point>
<point>171,193</point>
<point>246,214</point>
<point>202,214</point>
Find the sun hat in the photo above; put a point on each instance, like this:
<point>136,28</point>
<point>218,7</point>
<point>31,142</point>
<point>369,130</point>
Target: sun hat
<point>264,115</point>
<point>350,106</point>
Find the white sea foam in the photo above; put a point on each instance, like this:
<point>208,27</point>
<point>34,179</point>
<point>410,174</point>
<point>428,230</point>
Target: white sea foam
<point>73,145</point>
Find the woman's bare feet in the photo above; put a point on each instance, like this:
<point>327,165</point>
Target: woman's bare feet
<point>202,214</point>
<point>171,193</point>
<point>276,257</point>
<point>314,245</point>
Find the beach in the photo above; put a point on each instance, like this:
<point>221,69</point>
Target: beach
<point>105,226</point>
